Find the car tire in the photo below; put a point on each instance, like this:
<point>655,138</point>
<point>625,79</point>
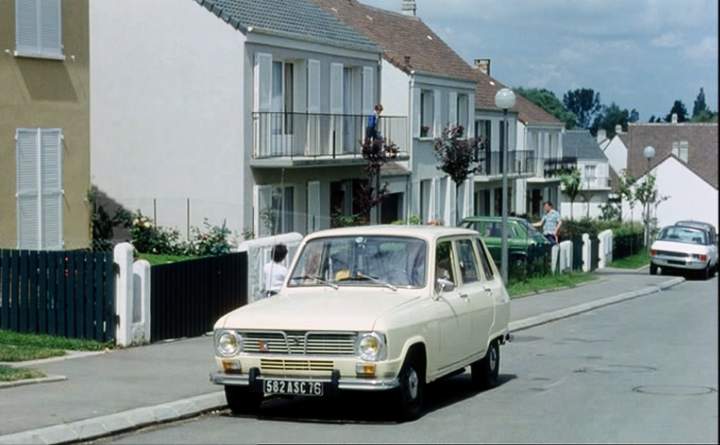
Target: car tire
<point>707,272</point>
<point>410,395</point>
<point>653,269</point>
<point>485,372</point>
<point>241,400</point>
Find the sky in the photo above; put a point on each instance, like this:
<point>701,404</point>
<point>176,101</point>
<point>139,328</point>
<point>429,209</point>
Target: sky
<point>641,54</point>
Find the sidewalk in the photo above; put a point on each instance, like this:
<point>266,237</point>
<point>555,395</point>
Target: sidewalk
<point>151,375</point>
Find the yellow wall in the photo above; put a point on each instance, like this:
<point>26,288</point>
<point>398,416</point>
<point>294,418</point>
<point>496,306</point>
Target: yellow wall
<point>39,93</point>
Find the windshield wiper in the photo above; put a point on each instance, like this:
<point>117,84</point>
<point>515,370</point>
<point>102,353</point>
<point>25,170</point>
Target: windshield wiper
<point>316,278</point>
<point>375,280</point>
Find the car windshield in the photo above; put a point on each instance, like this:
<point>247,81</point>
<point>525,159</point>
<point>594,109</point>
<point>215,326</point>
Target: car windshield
<point>362,261</point>
<point>686,235</point>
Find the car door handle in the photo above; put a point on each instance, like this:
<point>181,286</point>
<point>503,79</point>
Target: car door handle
<point>488,290</point>
<point>464,296</point>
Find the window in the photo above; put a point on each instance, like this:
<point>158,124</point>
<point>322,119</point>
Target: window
<point>276,210</point>
<point>38,28</point>
<point>484,261</point>
<point>39,188</point>
<point>462,112</point>
<point>427,113</point>
<point>282,97</point>
<point>468,264</point>
<point>425,190</point>
<point>680,150</point>
<point>590,172</point>
<point>444,262</point>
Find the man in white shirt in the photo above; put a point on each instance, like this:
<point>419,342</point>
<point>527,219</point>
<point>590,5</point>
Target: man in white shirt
<point>274,271</point>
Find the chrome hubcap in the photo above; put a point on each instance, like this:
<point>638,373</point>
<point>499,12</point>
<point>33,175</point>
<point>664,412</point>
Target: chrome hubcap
<point>493,358</point>
<point>412,384</point>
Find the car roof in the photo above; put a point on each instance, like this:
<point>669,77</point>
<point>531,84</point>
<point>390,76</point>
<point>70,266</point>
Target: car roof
<point>691,223</point>
<point>428,233</point>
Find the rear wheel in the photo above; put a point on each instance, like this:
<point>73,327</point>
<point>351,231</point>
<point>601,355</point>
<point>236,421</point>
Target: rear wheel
<point>653,269</point>
<point>241,401</point>
<point>707,272</point>
<point>485,372</point>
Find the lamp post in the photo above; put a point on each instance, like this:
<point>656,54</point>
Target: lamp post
<point>649,154</point>
<point>504,99</point>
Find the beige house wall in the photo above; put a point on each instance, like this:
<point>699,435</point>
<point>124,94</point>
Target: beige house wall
<point>41,93</point>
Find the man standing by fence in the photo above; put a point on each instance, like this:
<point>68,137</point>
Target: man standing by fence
<point>274,272</point>
<point>550,223</point>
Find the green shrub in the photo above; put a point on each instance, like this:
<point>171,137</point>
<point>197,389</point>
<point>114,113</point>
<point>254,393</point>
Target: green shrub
<point>413,220</point>
<point>149,238</point>
<point>214,241</point>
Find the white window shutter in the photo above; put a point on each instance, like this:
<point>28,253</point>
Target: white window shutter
<point>50,27</point>
<point>28,210</point>
<point>452,108</point>
<point>263,82</point>
<point>368,90</point>
<point>416,116</point>
<point>26,26</point>
<point>437,121</point>
<point>51,195</point>
<point>336,88</point>
<point>313,200</point>
<point>470,130</point>
<point>313,86</point>
<point>450,202</point>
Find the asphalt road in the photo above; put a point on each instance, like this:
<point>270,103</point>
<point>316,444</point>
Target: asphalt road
<point>640,371</point>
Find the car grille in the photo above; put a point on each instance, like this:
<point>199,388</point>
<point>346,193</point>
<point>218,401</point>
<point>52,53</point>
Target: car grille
<point>270,365</point>
<point>672,254</point>
<point>299,343</point>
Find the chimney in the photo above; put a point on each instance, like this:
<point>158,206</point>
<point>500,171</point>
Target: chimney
<point>673,118</point>
<point>409,7</point>
<point>618,129</point>
<point>483,65</point>
<point>601,135</point>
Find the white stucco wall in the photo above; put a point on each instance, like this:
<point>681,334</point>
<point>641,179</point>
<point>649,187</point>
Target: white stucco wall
<point>690,197</point>
<point>395,95</point>
<point>167,110</point>
<point>616,153</point>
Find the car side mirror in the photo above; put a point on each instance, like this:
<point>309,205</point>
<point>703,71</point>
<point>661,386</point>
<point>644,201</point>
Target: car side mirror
<point>444,285</point>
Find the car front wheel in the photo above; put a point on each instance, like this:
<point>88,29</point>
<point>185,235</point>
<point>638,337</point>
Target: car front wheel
<point>653,269</point>
<point>241,400</point>
<point>485,372</point>
<point>411,392</point>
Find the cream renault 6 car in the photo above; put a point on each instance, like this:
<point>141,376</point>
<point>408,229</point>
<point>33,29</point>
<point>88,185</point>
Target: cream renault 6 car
<point>382,308</point>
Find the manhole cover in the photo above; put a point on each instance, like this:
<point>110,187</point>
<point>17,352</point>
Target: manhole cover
<point>674,390</point>
<point>616,369</point>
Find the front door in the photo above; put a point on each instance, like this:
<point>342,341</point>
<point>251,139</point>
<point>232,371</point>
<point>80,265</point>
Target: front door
<point>454,327</point>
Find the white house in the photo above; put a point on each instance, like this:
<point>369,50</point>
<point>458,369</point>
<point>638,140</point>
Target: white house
<point>426,81</point>
<point>595,175</point>
<point>245,111</point>
<point>615,149</point>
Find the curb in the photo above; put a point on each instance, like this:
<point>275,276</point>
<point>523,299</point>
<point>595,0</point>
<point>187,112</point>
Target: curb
<point>538,320</point>
<point>69,355</point>
<point>94,428</point>
<point>558,289</point>
<point>47,379</point>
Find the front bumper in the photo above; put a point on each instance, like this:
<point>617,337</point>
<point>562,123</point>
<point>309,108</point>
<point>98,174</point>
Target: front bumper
<point>254,379</point>
<point>678,262</point>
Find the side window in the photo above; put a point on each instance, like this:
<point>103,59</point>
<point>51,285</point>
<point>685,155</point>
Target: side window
<point>468,263</point>
<point>443,261</point>
<point>484,260</point>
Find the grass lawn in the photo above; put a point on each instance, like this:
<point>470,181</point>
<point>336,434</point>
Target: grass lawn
<point>520,288</point>
<point>16,347</point>
<point>8,374</point>
<point>156,260</point>
<point>633,262</point>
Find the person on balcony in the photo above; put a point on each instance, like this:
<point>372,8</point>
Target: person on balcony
<point>372,131</point>
<point>550,223</point>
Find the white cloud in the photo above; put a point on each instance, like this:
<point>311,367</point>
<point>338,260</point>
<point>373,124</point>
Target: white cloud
<point>704,51</point>
<point>667,40</point>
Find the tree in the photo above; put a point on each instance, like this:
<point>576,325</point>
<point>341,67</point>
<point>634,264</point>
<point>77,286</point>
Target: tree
<point>572,183</point>
<point>679,109</point>
<point>611,116</point>
<point>548,101</point>
<point>456,155</point>
<point>699,106</point>
<point>584,103</point>
<point>705,116</point>
<point>647,194</point>
<point>652,119</point>
<point>376,152</point>
<point>627,193</point>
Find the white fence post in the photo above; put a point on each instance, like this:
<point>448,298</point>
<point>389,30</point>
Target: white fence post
<point>141,303</point>
<point>123,257</point>
<point>586,253</point>
<point>605,239</point>
<point>566,251</point>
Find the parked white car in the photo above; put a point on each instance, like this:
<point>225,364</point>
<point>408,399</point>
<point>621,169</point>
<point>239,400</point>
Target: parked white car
<point>685,248</point>
<point>382,308</point>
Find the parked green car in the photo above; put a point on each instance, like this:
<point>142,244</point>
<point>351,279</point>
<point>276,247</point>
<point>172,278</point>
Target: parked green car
<point>521,235</point>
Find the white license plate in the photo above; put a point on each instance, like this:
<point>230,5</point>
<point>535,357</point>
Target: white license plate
<point>292,387</point>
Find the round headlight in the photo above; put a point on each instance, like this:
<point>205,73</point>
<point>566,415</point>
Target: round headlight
<point>227,343</point>
<point>371,347</point>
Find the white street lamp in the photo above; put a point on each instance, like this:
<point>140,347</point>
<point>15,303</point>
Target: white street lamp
<point>504,99</point>
<point>649,154</point>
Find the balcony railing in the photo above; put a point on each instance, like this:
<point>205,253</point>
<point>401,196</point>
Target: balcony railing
<point>596,183</point>
<point>555,166</point>
<point>318,136</point>
<point>520,162</point>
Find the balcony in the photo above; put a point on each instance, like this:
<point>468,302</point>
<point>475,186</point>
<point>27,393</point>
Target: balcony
<point>311,140</point>
<point>520,162</point>
<point>555,166</point>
